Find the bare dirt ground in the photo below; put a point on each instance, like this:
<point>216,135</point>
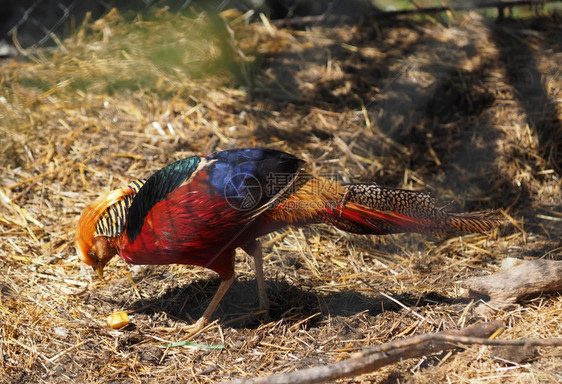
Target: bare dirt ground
<point>469,109</point>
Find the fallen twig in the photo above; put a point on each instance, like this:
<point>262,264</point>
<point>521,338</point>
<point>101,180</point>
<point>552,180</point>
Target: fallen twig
<point>374,358</point>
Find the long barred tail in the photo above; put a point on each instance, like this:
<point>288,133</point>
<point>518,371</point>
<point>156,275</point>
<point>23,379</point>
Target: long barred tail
<point>474,222</point>
<point>370,209</point>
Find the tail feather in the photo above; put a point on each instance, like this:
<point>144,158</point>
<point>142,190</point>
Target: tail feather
<point>370,209</point>
<point>359,219</point>
<point>474,222</point>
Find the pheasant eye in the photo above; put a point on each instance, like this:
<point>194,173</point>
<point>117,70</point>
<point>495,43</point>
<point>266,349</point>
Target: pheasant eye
<point>92,254</point>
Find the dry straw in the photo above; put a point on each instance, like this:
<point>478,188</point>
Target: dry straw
<point>470,111</point>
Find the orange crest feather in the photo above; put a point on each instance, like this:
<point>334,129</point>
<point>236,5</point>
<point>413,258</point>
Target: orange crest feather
<point>84,237</point>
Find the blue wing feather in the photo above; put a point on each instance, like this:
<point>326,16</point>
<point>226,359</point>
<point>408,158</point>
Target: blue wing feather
<point>246,178</point>
<point>266,168</point>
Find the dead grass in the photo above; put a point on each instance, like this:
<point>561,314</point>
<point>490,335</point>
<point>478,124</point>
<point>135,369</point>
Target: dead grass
<point>470,112</point>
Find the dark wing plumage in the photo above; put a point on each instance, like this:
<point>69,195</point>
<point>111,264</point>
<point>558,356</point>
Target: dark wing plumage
<point>155,190</point>
<point>247,178</point>
<point>250,178</point>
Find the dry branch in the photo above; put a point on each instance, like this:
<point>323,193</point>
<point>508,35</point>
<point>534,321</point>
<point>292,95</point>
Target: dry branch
<point>385,354</point>
<point>299,22</point>
<point>506,287</point>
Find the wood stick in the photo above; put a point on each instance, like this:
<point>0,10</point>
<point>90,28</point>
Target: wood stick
<point>377,357</point>
<point>506,287</point>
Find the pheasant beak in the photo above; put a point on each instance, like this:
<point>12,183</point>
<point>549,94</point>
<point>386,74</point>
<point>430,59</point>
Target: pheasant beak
<point>98,269</point>
<point>100,253</point>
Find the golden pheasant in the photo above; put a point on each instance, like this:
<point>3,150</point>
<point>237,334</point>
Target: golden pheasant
<point>198,210</point>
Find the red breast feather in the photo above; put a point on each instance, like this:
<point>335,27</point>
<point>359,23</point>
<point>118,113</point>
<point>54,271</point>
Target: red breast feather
<point>189,227</point>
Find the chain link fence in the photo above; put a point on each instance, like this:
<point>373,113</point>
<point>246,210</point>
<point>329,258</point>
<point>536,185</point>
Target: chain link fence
<point>39,22</point>
<point>35,22</point>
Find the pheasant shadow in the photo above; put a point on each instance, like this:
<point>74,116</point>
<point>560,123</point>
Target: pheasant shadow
<point>239,308</point>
